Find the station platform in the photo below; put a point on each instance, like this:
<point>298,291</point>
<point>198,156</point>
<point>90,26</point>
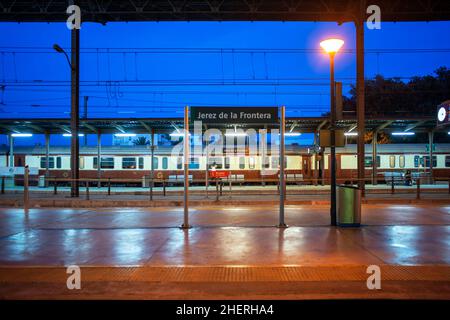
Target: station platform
<point>229,253</point>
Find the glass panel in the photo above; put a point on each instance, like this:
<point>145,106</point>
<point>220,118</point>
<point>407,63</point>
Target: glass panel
<point>368,162</point>
<point>127,163</point>
<point>241,163</point>
<point>266,162</point>
<point>156,163</point>
<point>392,161</point>
<point>179,163</point>
<point>58,162</point>
<point>227,162</point>
<point>107,163</point>
<point>141,163</point>
<point>402,161</point>
<point>165,163</point>
<point>251,163</point>
<point>416,161</point>
<point>275,162</point>
<point>194,164</point>
<point>81,162</point>
<point>51,162</point>
<point>447,161</point>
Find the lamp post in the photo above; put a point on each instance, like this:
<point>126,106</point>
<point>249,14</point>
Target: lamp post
<point>74,110</point>
<point>332,46</point>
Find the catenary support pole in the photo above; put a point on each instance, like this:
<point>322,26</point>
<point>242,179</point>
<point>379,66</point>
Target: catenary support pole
<point>374,157</point>
<point>74,113</point>
<point>360,108</point>
<point>99,157</point>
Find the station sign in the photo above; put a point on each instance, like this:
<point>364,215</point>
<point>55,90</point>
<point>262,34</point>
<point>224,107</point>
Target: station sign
<point>234,115</point>
<point>443,113</point>
<point>219,174</point>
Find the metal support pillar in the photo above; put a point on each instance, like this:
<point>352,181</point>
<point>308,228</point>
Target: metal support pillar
<point>281,223</point>
<point>11,151</point>
<point>26,196</point>
<point>99,157</point>
<point>152,167</point>
<point>47,156</point>
<point>85,115</point>
<point>430,151</point>
<point>74,113</point>
<point>374,157</point>
<point>185,224</point>
<point>360,108</point>
<point>333,217</point>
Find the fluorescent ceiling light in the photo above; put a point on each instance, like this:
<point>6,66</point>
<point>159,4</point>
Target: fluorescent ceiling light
<point>403,133</point>
<point>292,134</point>
<point>21,135</point>
<point>235,134</point>
<point>125,134</point>
<point>350,134</point>
<point>69,135</point>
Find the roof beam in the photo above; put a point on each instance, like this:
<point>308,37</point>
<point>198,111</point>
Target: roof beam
<point>384,125</point>
<point>415,125</point>
<point>146,126</point>
<point>90,127</point>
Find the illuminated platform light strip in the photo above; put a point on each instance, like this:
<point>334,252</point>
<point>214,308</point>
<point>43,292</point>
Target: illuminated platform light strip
<point>125,135</point>
<point>21,135</point>
<point>350,134</point>
<point>178,134</point>
<point>69,135</point>
<point>403,133</point>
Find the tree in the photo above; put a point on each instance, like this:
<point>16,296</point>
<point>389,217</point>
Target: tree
<point>394,97</point>
<point>141,141</point>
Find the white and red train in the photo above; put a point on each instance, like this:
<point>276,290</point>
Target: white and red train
<point>134,162</point>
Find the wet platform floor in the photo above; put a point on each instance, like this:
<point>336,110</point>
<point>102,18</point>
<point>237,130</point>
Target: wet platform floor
<point>391,234</point>
<point>136,243</point>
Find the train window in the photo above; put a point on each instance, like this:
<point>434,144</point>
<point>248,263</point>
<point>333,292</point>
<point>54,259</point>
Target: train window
<point>128,163</point>
<point>368,161</point>
<point>141,163</point>
<point>275,162</point>
<point>106,163</point>
<point>401,161</point>
<point>216,162</point>
<point>447,161</point>
<point>426,161</point>
<point>241,163</point>
<point>51,162</point>
<point>194,164</point>
<point>266,162</point>
<point>58,162</point>
<point>179,163</point>
<point>392,161</point>
<point>416,161</point>
<point>251,163</point>
<point>165,163</point>
<point>155,163</point>
<point>227,162</point>
<point>81,162</point>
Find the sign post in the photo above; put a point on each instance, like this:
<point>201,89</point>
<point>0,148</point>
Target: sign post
<point>185,224</point>
<point>281,223</point>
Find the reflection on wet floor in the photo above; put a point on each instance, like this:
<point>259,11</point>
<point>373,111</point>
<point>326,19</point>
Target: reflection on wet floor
<point>406,235</point>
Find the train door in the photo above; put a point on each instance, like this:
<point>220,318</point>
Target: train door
<point>306,166</point>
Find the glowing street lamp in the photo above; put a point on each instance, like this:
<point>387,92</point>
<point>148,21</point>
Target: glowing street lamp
<point>332,46</point>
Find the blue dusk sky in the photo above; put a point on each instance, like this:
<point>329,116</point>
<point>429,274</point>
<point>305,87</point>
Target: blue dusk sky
<point>132,70</point>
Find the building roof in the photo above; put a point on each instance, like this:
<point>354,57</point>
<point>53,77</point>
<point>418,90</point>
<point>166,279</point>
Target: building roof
<point>166,125</point>
<point>215,10</point>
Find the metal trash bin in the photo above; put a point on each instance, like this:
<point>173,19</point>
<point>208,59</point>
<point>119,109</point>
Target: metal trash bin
<point>41,182</point>
<point>348,206</point>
